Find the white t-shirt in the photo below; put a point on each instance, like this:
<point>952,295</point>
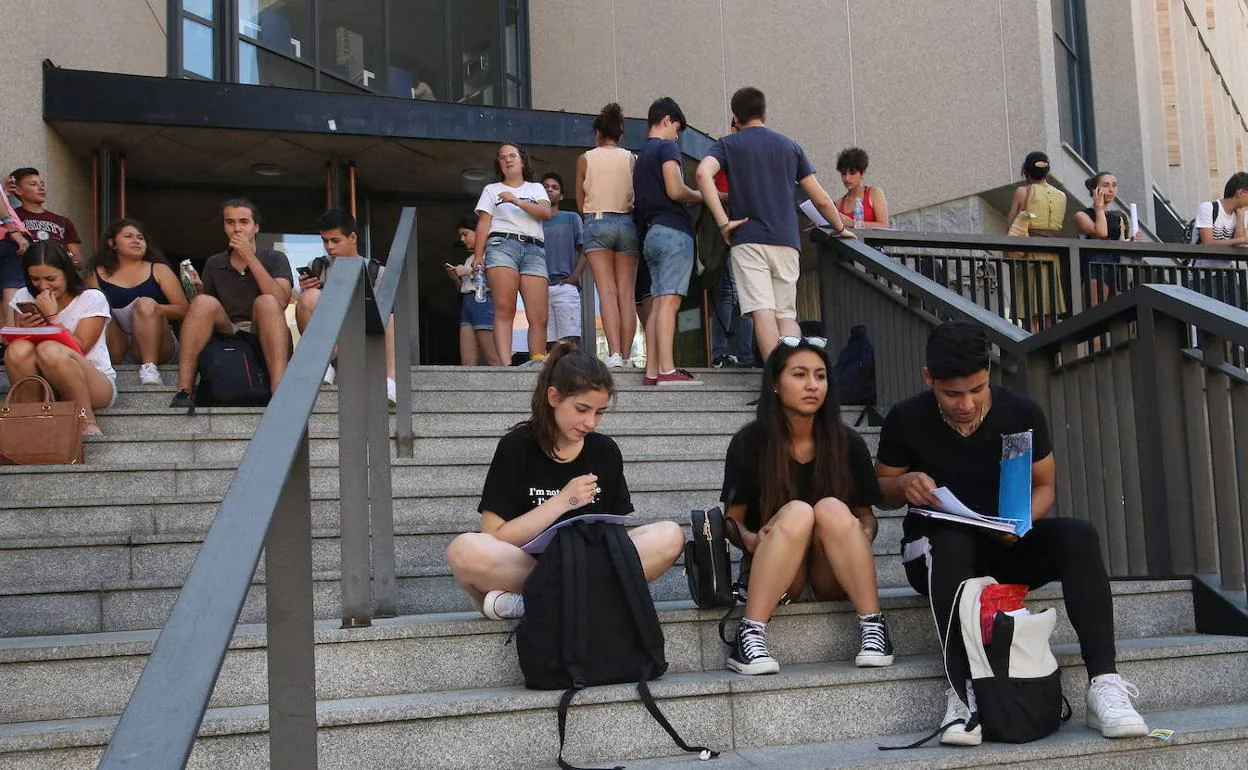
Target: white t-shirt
<point>508,217</point>
<point>1223,226</point>
<point>90,304</point>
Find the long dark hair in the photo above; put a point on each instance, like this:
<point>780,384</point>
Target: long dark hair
<point>569,371</point>
<point>526,167</point>
<point>831,476</point>
<point>106,256</point>
<point>52,254</point>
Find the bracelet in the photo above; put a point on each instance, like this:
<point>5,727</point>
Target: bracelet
<point>724,225</point>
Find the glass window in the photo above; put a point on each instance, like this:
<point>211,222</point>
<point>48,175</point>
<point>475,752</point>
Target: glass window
<point>198,49</point>
<point>284,26</point>
<point>202,8</point>
<point>352,38</point>
<point>475,52</point>
<point>417,50</point>
<point>257,66</point>
<point>1074,80</point>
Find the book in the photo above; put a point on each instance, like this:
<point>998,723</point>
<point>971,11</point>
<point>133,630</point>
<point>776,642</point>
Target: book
<point>1013,493</point>
<point>41,334</point>
<point>538,544</point>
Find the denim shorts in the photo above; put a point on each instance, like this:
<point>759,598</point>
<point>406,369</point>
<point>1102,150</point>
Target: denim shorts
<point>524,258</point>
<point>478,315</point>
<point>611,232</point>
<point>669,256</point>
<point>11,275</point>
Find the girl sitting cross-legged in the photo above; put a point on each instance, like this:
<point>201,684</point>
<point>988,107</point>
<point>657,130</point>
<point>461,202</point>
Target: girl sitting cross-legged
<point>551,467</point>
<point>800,486</point>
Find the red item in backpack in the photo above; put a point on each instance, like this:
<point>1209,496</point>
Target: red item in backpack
<point>996,598</point>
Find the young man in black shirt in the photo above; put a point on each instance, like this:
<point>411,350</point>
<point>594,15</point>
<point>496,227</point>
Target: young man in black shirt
<point>950,436</point>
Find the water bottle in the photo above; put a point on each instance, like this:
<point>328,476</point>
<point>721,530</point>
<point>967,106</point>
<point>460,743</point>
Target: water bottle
<point>860,218</point>
<point>185,271</point>
<point>478,281</point>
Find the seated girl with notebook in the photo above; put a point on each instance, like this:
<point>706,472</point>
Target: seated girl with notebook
<point>54,297</point>
<point>547,469</point>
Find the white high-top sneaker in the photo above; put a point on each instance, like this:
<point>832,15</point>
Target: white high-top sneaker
<point>1110,710</point>
<point>958,735</point>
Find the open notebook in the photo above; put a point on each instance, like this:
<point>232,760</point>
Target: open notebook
<point>538,544</point>
<point>1013,494</point>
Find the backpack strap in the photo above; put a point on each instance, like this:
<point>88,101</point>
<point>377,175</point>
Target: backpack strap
<point>632,579</point>
<point>647,698</point>
<point>574,617</point>
<point>564,702</point>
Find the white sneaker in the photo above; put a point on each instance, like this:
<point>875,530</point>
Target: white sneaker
<point>330,374</point>
<point>1110,710</point>
<point>958,735</point>
<point>614,361</point>
<point>392,391</point>
<point>503,605</point>
<point>149,375</point>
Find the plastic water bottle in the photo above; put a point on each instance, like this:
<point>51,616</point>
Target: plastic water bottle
<point>478,281</point>
<point>860,218</point>
<point>185,272</point>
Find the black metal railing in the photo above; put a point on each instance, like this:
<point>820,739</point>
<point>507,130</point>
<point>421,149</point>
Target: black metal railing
<point>268,507</point>
<point>1149,415</point>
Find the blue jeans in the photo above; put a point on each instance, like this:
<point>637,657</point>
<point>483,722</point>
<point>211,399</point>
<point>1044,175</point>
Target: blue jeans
<point>726,319</point>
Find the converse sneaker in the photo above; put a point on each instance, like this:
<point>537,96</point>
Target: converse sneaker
<point>1110,710</point>
<point>958,735</point>
<point>149,375</point>
<point>330,375</point>
<point>875,649</point>
<point>614,361</point>
<point>503,605</point>
<point>750,655</point>
<point>723,362</point>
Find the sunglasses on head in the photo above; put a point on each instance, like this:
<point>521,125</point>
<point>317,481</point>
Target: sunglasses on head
<point>814,342</point>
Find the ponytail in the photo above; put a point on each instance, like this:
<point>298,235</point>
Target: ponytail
<point>569,371</point>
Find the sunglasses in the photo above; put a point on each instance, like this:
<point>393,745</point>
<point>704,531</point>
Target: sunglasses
<point>814,342</point>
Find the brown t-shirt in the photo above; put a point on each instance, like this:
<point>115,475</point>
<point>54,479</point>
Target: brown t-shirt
<point>48,226</point>
<point>237,291</point>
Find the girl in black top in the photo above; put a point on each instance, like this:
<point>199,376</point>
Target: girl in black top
<point>1101,223</point>
<point>551,467</point>
<point>800,486</point>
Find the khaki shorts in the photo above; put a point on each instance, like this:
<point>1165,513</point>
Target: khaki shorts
<point>766,277</point>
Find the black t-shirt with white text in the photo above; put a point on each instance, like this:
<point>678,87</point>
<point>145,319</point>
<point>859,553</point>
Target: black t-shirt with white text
<point>522,477</point>
<point>741,482</point>
<point>916,437</point>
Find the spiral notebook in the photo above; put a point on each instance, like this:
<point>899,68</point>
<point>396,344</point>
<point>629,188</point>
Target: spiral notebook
<point>538,544</point>
<point>1013,493</point>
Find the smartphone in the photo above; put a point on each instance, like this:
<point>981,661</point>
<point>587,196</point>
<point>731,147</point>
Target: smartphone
<point>29,307</point>
<point>305,272</point>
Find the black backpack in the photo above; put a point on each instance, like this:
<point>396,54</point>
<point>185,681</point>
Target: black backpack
<point>232,373</point>
<point>708,562</point>
<point>855,370</point>
<point>1189,230</point>
<point>589,620</point>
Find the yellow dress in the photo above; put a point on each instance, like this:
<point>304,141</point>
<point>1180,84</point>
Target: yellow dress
<point>1046,211</point>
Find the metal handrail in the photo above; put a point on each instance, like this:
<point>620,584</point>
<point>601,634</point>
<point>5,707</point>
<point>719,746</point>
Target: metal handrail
<point>994,242</point>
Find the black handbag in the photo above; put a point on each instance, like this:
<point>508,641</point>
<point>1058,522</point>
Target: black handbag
<point>708,564</point>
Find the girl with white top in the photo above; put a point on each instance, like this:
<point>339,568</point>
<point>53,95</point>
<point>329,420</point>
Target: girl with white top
<point>61,299</point>
<point>604,194</point>
<point>510,245</point>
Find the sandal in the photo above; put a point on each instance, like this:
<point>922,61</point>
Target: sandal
<point>92,429</point>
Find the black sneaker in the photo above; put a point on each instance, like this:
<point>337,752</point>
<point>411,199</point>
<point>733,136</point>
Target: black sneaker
<point>724,362</point>
<point>876,649</point>
<point>750,655</point>
<point>182,400</point>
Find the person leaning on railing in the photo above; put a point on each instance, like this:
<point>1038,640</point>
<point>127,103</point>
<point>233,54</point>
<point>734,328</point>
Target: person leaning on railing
<point>1038,209</point>
<point>1100,222</point>
<point>852,166</point>
<point>1221,223</point>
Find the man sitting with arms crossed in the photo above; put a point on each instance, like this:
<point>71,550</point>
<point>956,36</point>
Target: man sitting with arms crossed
<point>340,237</point>
<point>951,436</point>
<point>244,289</point>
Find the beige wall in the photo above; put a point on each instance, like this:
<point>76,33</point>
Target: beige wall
<point>106,35</point>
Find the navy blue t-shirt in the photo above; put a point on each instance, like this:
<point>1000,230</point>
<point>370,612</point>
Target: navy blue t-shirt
<point>650,202</point>
<point>764,166</point>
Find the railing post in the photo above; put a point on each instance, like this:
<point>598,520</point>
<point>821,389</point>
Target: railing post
<point>1156,375</point>
<point>1239,417</point>
<point>1225,473</point>
<point>589,329</point>
<point>403,308</point>
<point>1128,446</point>
<point>1199,464</point>
<point>353,465</point>
<point>380,500</point>
<point>291,649</point>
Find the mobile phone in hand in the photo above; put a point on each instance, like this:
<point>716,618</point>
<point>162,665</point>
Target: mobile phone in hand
<point>304,272</point>
<point>29,307</point>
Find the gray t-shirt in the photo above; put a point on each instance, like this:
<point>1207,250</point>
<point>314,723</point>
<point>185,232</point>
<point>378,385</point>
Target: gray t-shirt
<point>237,291</point>
<point>763,166</point>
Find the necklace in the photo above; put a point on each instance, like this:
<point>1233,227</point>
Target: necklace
<point>983,412</point>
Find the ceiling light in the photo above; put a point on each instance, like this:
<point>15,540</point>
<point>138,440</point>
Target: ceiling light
<point>267,169</point>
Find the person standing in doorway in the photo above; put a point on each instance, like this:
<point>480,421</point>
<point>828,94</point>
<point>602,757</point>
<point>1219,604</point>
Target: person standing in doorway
<point>661,195</point>
<point>565,261</point>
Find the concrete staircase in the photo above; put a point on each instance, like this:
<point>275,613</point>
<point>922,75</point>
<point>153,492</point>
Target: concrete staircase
<point>91,559</point>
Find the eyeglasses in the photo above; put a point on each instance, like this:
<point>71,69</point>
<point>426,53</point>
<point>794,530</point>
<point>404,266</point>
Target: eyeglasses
<point>814,342</point>
<point>509,156</point>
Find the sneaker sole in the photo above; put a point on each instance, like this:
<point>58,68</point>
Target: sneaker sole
<point>753,669</point>
<point>962,738</point>
<point>873,661</point>
<point>1133,730</point>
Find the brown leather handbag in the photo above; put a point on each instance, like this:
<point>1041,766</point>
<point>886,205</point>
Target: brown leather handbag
<point>44,432</point>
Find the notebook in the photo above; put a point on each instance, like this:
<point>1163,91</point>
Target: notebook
<point>1013,494</point>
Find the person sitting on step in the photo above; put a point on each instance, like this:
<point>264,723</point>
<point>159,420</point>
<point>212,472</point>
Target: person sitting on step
<point>800,486</point>
<point>145,295</point>
<point>244,292</point>
<point>950,435</point>
<point>551,467</point>
<point>55,295</point>
<point>340,237</point>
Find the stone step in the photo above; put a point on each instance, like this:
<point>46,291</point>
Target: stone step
<point>93,674</point>
<point>509,727</point>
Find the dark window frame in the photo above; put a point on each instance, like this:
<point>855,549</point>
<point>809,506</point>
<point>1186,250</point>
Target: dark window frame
<point>1070,49</point>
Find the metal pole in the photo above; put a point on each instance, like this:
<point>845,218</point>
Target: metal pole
<point>291,647</point>
<point>353,465</point>
<point>121,185</point>
<point>351,187</point>
<point>404,437</point>
<point>380,504</point>
<point>589,327</point>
